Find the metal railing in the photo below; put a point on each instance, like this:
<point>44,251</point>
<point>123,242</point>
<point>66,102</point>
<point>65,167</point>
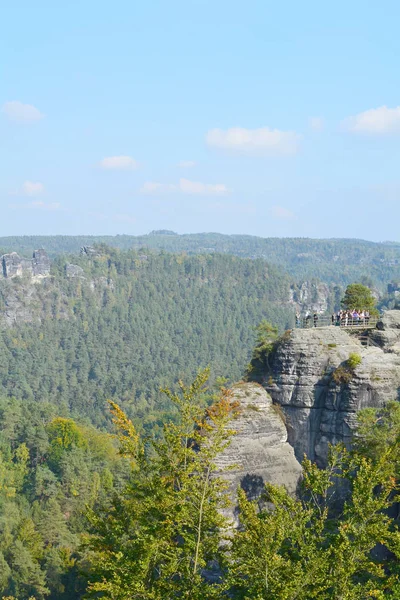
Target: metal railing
<point>344,323</point>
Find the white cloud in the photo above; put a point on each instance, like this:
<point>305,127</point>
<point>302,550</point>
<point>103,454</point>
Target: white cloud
<point>119,163</point>
<point>38,205</point>
<point>316,123</point>
<point>186,164</point>
<point>185,186</point>
<point>21,113</point>
<point>377,120</point>
<point>263,141</point>
<point>32,188</point>
<point>279,212</point>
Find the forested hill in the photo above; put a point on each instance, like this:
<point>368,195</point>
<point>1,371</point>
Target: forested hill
<point>124,324</point>
<point>332,260</point>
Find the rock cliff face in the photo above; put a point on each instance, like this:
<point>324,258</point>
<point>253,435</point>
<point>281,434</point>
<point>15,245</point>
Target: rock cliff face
<point>259,452</point>
<point>318,410</point>
<point>13,265</point>
<point>310,296</point>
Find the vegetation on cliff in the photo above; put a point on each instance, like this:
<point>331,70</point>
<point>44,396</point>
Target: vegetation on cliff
<point>79,519</point>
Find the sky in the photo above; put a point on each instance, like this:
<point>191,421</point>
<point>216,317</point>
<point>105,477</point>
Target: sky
<point>257,117</point>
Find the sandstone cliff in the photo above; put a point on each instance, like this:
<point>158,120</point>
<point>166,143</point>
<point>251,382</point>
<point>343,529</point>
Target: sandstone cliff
<point>318,409</point>
<point>259,451</point>
<point>13,265</point>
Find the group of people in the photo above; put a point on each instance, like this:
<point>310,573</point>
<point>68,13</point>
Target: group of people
<point>348,317</point>
<point>342,318</point>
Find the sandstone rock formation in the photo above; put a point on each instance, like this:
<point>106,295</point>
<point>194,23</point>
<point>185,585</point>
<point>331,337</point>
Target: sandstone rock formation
<point>318,410</point>
<point>89,251</point>
<point>259,452</point>
<point>13,265</point>
<point>74,270</point>
<point>310,296</point>
<point>40,263</point>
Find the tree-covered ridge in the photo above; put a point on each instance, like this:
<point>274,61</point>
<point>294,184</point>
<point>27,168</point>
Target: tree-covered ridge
<point>132,324</point>
<point>340,261</point>
<point>52,470</point>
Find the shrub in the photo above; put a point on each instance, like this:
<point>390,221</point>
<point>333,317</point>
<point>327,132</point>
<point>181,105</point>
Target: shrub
<point>279,411</point>
<point>345,372</point>
<point>342,375</point>
<point>354,360</point>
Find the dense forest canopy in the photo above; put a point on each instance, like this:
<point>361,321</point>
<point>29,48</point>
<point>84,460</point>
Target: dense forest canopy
<point>78,519</point>
<point>340,261</point>
<point>133,323</point>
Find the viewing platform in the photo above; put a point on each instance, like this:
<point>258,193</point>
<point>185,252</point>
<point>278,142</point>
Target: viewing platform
<point>325,321</point>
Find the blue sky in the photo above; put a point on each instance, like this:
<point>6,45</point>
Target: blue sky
<point>257,117</point>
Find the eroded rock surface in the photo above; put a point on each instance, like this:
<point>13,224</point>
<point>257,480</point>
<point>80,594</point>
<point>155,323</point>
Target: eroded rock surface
<point>74,270</point>
<point>13,265</point>
<point>318,410</point>
<point>259,451</point>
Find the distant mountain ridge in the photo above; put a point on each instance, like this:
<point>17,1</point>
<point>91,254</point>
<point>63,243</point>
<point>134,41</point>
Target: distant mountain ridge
<point>333,260</point>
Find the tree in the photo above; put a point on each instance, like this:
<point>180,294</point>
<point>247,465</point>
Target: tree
<point>303,550</point>
<point>267,335</point>
<point>358,297</point>
<point>159,536</point>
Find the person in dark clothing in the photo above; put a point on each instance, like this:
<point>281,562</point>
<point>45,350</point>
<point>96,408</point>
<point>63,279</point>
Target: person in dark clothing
<point>315,316</point>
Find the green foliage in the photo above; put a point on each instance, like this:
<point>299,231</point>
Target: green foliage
<point>51,469</point>
<point>378,434</point>
<point>63,434</point>
<point>354,360</point>
<point>345,372</point>
<point>338,261</point>
<point>358,297</point>
<point>267,336</point>
<point>166,527</point>
<point>136,323</point>
<point>301,550</point>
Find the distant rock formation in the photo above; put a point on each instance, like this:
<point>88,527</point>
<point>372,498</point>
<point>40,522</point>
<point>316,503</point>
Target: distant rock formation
<point>40,263</point>
<point>13,265</point>
<point>89,251</point>
<point>259,451</point>
<point>74,271</point>
<point>310,296</point>
<point>320,411</point>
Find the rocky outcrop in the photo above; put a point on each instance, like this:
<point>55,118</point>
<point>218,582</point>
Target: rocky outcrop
<point>74,271</point>
<point>310,296</point>
<point>40,263</point>
<point>319,409</point>
<point>89,251</point>
<point>259,451</point>
<point>13,265</point>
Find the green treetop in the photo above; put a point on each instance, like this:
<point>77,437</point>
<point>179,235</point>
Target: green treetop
<point>358,297</point>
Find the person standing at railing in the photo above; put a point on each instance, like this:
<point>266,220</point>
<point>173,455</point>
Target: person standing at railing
<point>333,318</point>
<point>297,319</point>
